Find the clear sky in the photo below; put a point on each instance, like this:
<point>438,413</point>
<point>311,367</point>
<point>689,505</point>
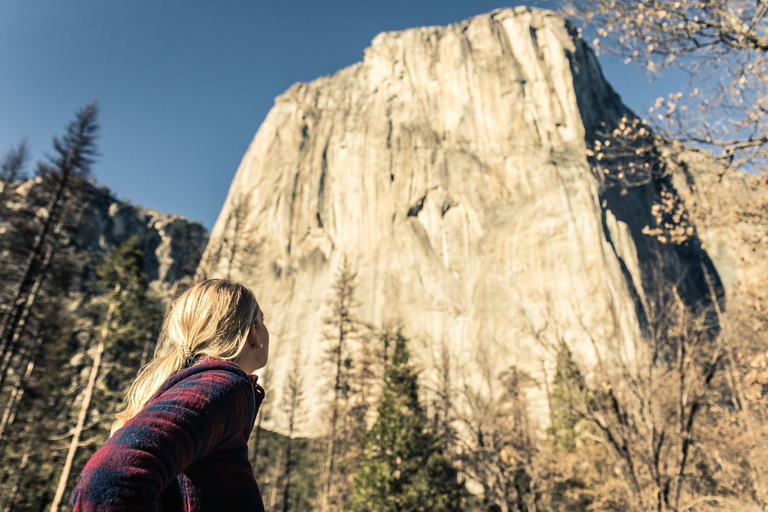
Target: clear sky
<point>183,86</point>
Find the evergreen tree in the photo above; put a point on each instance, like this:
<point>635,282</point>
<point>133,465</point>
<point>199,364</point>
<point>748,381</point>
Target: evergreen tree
<point>402,467</point>
<point>564,418</point>
<point>31,412</point>
<point>12,165</point>
<point>70,164</point>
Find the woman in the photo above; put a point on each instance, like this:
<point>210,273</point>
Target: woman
<point>182,442</point>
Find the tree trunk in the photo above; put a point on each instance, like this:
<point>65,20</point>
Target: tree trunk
<point>84,406</point>
<point>30,441</point>
<point>288,468</point>
<point>273,491</point>
<point>334,420</point>
<point>12,407</point>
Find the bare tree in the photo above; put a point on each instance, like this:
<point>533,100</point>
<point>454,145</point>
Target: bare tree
<point>497,448</point>
<point>652,413</point>
<point>721,44</point>
<point>445,392</point>
<point>341,326</point>
<point>730,209</point>
<point>238,248</point>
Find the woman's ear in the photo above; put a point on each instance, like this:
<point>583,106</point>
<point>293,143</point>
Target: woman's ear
<point>252,338</point>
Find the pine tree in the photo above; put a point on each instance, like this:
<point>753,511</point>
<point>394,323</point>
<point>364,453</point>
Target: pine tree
<point>564,419</point>
<point>29,411</point>
<point>74,154</point>
<point>402,467</point>
<point>12,166</point>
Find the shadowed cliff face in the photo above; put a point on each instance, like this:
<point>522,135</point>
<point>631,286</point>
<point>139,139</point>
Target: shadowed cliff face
<point>450,166</point>
<point>172,245</point>
<point>627,211</point>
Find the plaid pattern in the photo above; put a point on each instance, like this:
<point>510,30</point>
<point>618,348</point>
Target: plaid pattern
<point>187,450</point>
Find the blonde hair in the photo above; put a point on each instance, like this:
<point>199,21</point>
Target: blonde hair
<point>212,318</point>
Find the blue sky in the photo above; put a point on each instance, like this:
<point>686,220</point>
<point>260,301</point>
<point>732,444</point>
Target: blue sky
<point>183,86</point>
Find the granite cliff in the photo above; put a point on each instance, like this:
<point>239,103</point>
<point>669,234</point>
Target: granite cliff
<point>451,167</point>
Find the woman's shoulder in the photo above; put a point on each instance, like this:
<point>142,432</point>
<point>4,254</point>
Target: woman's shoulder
<point>211,395</point>
<point>213,366</point>
<point>207,374</point>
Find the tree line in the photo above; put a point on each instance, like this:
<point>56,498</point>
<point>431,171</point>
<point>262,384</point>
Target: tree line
<point>651,431</point>
<point>71,338</point>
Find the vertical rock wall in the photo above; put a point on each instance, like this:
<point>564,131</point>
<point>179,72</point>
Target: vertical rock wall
<point>450,166</point>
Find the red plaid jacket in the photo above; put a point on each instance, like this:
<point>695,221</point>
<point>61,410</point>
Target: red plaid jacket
<point>186,450</point>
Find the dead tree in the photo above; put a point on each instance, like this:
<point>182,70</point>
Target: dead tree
<point>497,447</point>
<point>238,247</point>
<point>86,401</point>
<point>340,327</point>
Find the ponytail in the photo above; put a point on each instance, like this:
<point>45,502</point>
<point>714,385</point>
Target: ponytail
<point>210,319</point>
<point>149,380</point>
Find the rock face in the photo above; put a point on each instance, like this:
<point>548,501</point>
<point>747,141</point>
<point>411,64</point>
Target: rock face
<point>172,245</point>
<point>450,166</point>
